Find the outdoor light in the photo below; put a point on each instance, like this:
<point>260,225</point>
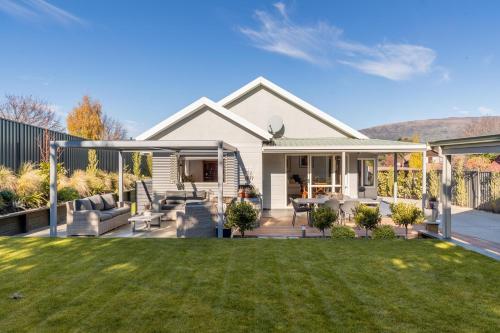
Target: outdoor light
<point>303,231</point>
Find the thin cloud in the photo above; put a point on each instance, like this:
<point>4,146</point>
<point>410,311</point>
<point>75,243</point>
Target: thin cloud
<point>324,44</point>
<point>38,10</point>
<point>486,111</point>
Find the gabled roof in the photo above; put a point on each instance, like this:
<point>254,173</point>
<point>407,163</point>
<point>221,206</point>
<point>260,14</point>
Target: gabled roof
<point>261,81</point>
<point>197,106</point>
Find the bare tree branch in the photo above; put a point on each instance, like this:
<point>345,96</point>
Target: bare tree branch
<point>113,129</point>
<point>31,111</point>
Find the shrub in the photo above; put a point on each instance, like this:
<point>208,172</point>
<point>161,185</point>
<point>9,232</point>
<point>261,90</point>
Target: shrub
<point>384,232</point>
<point>241,215</point>
<point>406,214</point>
<point>149,162</point>
<point>7,179</point>
<point>342,232</point>
<point>78,181</point>
<point>434,184</point>
<point>323,218</point>
<point>128,181</point>
<point>7,198</point>
<point>136,164</point>
<point>93,162</point>
<point>30,187</point>
<point>107,181</point>
<point>45,173</point>
<point>67,194</point>
<point>367,217</point>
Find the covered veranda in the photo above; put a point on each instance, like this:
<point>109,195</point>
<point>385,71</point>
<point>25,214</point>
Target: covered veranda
<point>460,146</point>
<point>181,147</point>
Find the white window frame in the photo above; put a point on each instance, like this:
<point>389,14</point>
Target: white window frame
<point>362,172</point>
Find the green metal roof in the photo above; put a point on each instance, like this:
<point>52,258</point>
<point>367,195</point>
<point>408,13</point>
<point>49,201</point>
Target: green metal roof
<point>318,142</point>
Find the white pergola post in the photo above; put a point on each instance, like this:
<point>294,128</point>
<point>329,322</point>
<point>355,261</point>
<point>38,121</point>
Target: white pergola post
<point>120,176</point>
<point>53,189</point>
<point>424,179</point>
<point>446,196</point>
<point>220,192</point>
<point>395,188</point>
<point>344,183</point>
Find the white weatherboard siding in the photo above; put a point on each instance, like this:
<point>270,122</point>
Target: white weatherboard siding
<point>208,125</point>
<point>260,104</point>
<point>275,181</point>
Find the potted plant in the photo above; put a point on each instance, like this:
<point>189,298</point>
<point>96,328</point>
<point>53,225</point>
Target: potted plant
<point>433,202</point>
<point>367,217</point>
<point>242,216</point>
<point>406,214</point>
<point>323,218</point>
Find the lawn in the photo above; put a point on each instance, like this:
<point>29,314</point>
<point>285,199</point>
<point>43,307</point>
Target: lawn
<point>312,285</point>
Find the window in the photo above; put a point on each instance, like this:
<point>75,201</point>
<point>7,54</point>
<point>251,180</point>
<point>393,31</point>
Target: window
<point>366,172</point>
<point>199,170</point>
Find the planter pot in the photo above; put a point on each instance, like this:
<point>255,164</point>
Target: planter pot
<point>226,232</point>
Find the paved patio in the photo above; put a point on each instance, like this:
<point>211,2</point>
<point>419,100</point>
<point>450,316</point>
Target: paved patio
<point>166,230</point>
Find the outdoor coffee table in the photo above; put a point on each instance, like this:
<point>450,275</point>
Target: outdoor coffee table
<point>147,219</point>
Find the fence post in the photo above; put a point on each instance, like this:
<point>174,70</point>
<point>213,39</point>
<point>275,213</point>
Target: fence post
<point>478,190</point>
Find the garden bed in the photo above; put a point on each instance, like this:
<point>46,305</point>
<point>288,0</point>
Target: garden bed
<point>28,220</point>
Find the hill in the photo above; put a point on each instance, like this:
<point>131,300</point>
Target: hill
<point>436,129</point>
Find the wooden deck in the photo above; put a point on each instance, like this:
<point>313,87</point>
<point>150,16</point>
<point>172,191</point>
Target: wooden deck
<point>278,223</point>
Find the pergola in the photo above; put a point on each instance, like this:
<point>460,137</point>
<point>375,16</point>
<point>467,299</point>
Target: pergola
<point>181,147</point>
<point>462,146</point>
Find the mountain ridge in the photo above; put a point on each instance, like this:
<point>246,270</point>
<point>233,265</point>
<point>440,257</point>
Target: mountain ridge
<point>433,129</point>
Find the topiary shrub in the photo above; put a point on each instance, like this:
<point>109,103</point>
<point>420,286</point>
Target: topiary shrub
<point>241,215</point>
<point>367,217</point>
<point>384,232</point>
<point>324,217</point>
<point>67,194</point>
<point>406,214</point>
<point>342,232</point>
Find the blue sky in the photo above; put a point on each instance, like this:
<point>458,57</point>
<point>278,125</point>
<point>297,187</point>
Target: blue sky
<point>364,62</point>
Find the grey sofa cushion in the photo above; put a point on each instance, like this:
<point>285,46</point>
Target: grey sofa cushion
<point>106,216</point>
<point>97,203</point>
<point>173,206</point>
<point>117,211</point>
<point>109,201</point>
<point>196,195</point>
<point>175,195</point>
<point>83,204</point>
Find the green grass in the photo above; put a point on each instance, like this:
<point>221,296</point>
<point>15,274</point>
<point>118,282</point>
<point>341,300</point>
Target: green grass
<point>313,285</point>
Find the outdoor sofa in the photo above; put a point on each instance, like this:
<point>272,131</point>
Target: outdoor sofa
<point>176,201</point>
<point>95,215</point>
<point>194,214</point>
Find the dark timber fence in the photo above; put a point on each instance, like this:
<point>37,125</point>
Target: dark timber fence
<point>20,143</point>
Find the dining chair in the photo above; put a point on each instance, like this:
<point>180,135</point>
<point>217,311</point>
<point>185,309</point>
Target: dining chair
<point>334,204</point>
<point>348,208</point>
<point>299,209</point>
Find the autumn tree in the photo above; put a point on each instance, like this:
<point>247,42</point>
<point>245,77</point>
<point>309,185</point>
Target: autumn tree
<point>86,120</point>
<point>30,110</point>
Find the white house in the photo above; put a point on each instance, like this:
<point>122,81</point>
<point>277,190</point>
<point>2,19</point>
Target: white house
<point>286,148</point>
